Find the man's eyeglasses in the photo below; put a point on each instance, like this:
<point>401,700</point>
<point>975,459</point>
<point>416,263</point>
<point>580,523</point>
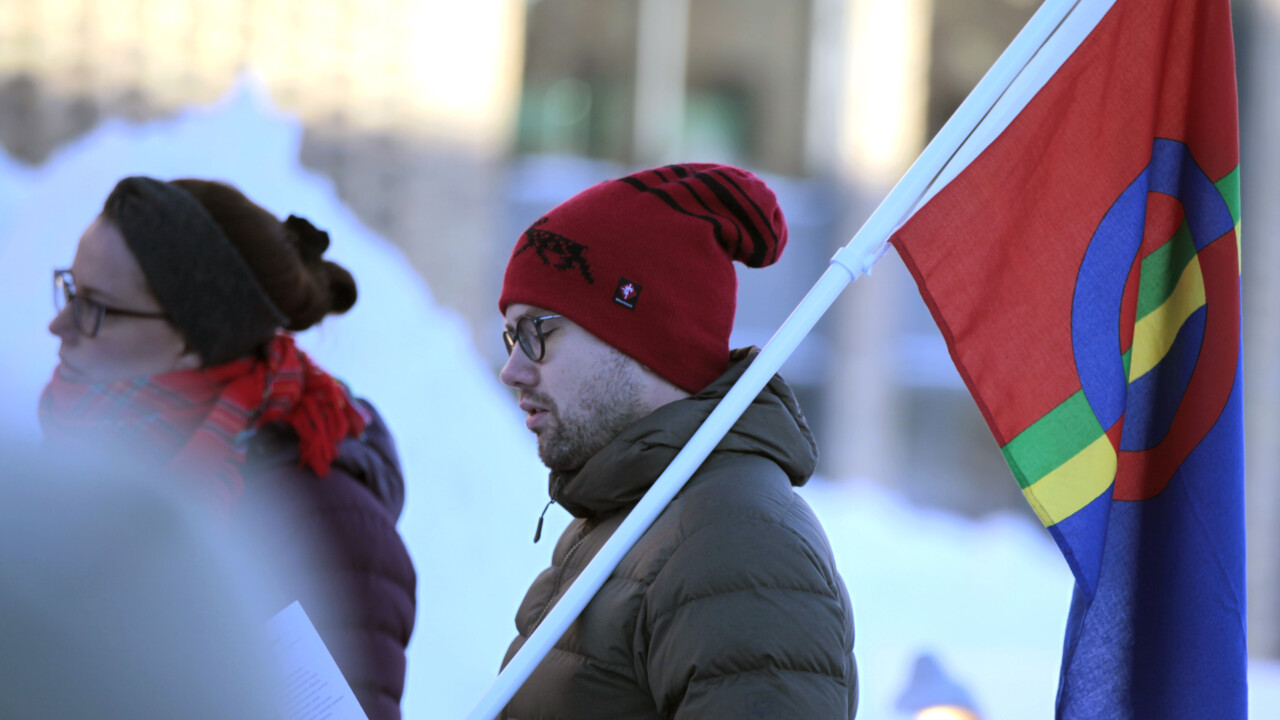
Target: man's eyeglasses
<point>528,336</point>
<point>86,312</point>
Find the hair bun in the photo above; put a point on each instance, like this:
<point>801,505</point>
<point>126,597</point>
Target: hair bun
<point>311,241</point>
<point>342,288</point>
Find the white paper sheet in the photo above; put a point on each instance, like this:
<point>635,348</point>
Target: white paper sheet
<point>314,688</point>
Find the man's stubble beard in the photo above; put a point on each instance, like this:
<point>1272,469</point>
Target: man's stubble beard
<point>608,403</point>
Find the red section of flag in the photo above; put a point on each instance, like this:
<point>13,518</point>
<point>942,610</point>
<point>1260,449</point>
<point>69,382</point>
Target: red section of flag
<point>1164,217</point>
<point>1001,245</point>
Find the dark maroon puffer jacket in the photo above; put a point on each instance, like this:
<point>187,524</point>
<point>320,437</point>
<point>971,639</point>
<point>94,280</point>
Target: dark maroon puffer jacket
<point>334,539</point>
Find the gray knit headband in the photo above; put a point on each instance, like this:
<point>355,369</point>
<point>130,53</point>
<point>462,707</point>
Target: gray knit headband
<point>198,276</point>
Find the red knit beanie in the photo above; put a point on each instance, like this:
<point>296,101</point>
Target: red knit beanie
<point>645,263</point>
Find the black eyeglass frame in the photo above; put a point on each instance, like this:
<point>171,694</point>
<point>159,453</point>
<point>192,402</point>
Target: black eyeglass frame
<point>521,336</point>
<point>87,310</point>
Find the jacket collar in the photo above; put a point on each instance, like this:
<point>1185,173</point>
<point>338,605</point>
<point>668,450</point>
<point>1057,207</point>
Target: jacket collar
<point>371,459</point>
<point>618,476</point>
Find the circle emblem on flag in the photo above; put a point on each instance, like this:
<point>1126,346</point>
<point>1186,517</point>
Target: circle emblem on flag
<point>1156,420</point>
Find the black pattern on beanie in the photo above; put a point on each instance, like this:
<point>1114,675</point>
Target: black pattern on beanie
<point>749,236</point>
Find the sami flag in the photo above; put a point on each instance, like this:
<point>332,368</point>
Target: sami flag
<point>1084,270</point>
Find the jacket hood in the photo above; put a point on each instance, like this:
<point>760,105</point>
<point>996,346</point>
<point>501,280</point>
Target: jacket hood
<point>773,426</point>
<point>371,459</point>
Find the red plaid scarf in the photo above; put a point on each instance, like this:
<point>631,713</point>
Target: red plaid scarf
<point>197,422</point>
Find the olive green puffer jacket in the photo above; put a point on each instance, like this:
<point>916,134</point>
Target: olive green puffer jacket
<point>730,606</point>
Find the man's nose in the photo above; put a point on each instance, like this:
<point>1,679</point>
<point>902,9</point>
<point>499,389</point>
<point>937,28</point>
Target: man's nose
<point>519,370</point>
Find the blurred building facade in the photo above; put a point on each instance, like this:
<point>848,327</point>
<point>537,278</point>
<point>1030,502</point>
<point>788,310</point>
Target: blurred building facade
<point>408,106</point>
<point>448,127</point>
<point>1257,59</point>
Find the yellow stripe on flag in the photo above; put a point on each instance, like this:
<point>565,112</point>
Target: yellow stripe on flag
<point>1073,484</point>
<point>1155,333</point>
<point>1239,250</point>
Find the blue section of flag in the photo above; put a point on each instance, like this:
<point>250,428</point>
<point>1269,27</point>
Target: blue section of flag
<point>1095,311</point>
<point>1175,172</point>
<point>1149,643</point>
<point>1082,537</point>
<point>1112,252</point>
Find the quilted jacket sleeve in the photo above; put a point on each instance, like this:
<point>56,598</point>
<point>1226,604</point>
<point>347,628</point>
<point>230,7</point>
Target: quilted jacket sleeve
<point>748,618</point>
<point>334,542</point>
<point>362,589</point>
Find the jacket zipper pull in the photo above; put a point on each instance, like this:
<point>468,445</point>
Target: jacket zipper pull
<point>537,534</point>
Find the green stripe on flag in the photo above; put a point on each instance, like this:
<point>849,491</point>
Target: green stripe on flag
<point>1052,440</point>
<point>1154,334</point>
<point>1162,269</point>
<point>1229,188</point>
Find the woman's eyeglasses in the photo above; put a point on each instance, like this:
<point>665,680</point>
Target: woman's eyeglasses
<point>528,336</point>
<point>86,312</point>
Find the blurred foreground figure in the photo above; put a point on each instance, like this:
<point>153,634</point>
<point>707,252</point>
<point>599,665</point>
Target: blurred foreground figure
<point>619,305</point>
<point>174,354</point>
<point>119,600</point>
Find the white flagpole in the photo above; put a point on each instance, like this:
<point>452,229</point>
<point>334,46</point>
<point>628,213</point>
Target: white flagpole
<point>849,262</point>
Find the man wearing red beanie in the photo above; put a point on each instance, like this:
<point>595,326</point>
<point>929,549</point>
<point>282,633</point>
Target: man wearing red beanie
<point>618,307</point>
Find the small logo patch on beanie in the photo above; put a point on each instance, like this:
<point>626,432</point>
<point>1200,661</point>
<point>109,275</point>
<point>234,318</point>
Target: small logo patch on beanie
<point>627,294</point>
<point>547,245</point>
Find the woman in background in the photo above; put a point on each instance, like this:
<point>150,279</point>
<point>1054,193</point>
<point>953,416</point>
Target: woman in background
<point>174,323</point>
